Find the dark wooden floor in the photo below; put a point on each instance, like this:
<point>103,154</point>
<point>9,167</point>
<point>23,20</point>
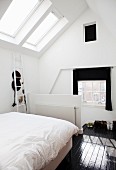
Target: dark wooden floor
<point>95,149</point>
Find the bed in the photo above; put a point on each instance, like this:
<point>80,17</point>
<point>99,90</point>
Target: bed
<point>33,142</point>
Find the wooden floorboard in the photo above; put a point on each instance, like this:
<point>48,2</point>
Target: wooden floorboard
<point>94,150</point>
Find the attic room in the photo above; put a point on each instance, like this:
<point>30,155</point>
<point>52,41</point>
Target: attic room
<point>54,41</point>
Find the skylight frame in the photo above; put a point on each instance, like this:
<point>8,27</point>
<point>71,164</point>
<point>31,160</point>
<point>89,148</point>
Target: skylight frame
<point>37,42</point>
<point>25,20</point>
<point>49,38</point>
<point>30,23</point>
<point>29,16</point>
<point>52,34</point>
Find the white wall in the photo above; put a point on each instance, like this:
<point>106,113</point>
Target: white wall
<point>6,69</point>
<point>60,83</point>
<point>102,8</point>
<point>69,51</point>
<point>67,107</point>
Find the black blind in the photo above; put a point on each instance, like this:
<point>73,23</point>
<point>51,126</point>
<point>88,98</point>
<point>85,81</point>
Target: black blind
<point>101,73</point>
<point>90,33</point>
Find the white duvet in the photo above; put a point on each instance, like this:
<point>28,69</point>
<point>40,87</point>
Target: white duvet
<point>30,142</point>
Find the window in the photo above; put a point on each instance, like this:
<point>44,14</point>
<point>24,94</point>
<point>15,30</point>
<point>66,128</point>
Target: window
<point>16,15</point>
<point>95,85</point>
<point>32,24</point>
<point>46,31</point>
<point>43,29</point>
<point>90,32</point>
<point>93,92</point>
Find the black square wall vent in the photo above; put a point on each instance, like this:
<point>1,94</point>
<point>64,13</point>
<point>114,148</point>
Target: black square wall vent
<point>90,32</point>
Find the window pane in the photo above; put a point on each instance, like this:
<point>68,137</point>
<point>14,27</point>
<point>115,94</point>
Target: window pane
<point>83,86</point>
<point>96,97</point>
<point>80,93</point>
<point>93,92</point>
<point>96,85</point>
<point>43,28</point>
<point>103,98</point>
<point>80,86</point>
<point>15,15</point>
<point>103,86</point>
<point>88,86</point>
<point>87,97</point>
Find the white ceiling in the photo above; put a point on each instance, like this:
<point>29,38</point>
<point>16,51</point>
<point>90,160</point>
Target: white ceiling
<point>71,9</point>
<point>106,9</point>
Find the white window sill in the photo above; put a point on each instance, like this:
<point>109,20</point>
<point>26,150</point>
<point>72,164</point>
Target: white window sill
<point>93,105</point>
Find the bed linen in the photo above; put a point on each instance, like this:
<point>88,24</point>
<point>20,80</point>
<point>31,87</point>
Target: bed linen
<point>30,142</point>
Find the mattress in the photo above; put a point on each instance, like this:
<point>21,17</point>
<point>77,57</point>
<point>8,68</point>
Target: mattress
<point>30,142</point>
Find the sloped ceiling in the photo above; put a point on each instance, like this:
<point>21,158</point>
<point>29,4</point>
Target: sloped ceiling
<point>106,9</point>
<point>71,9</point>
<point>4,4</point>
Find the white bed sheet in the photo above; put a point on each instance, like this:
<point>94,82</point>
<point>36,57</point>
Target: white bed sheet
<point>30,142</point>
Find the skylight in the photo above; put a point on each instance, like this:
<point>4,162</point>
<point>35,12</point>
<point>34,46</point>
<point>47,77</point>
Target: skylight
<point>31,24</point>
<point>43,29</point>
<point>47,37</point>
<point>15,15</point>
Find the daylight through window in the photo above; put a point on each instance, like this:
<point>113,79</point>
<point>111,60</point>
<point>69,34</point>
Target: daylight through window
<point>42,29</point>
<point>32,24</point>
<point>16,14</point>
<point>93,92</point>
